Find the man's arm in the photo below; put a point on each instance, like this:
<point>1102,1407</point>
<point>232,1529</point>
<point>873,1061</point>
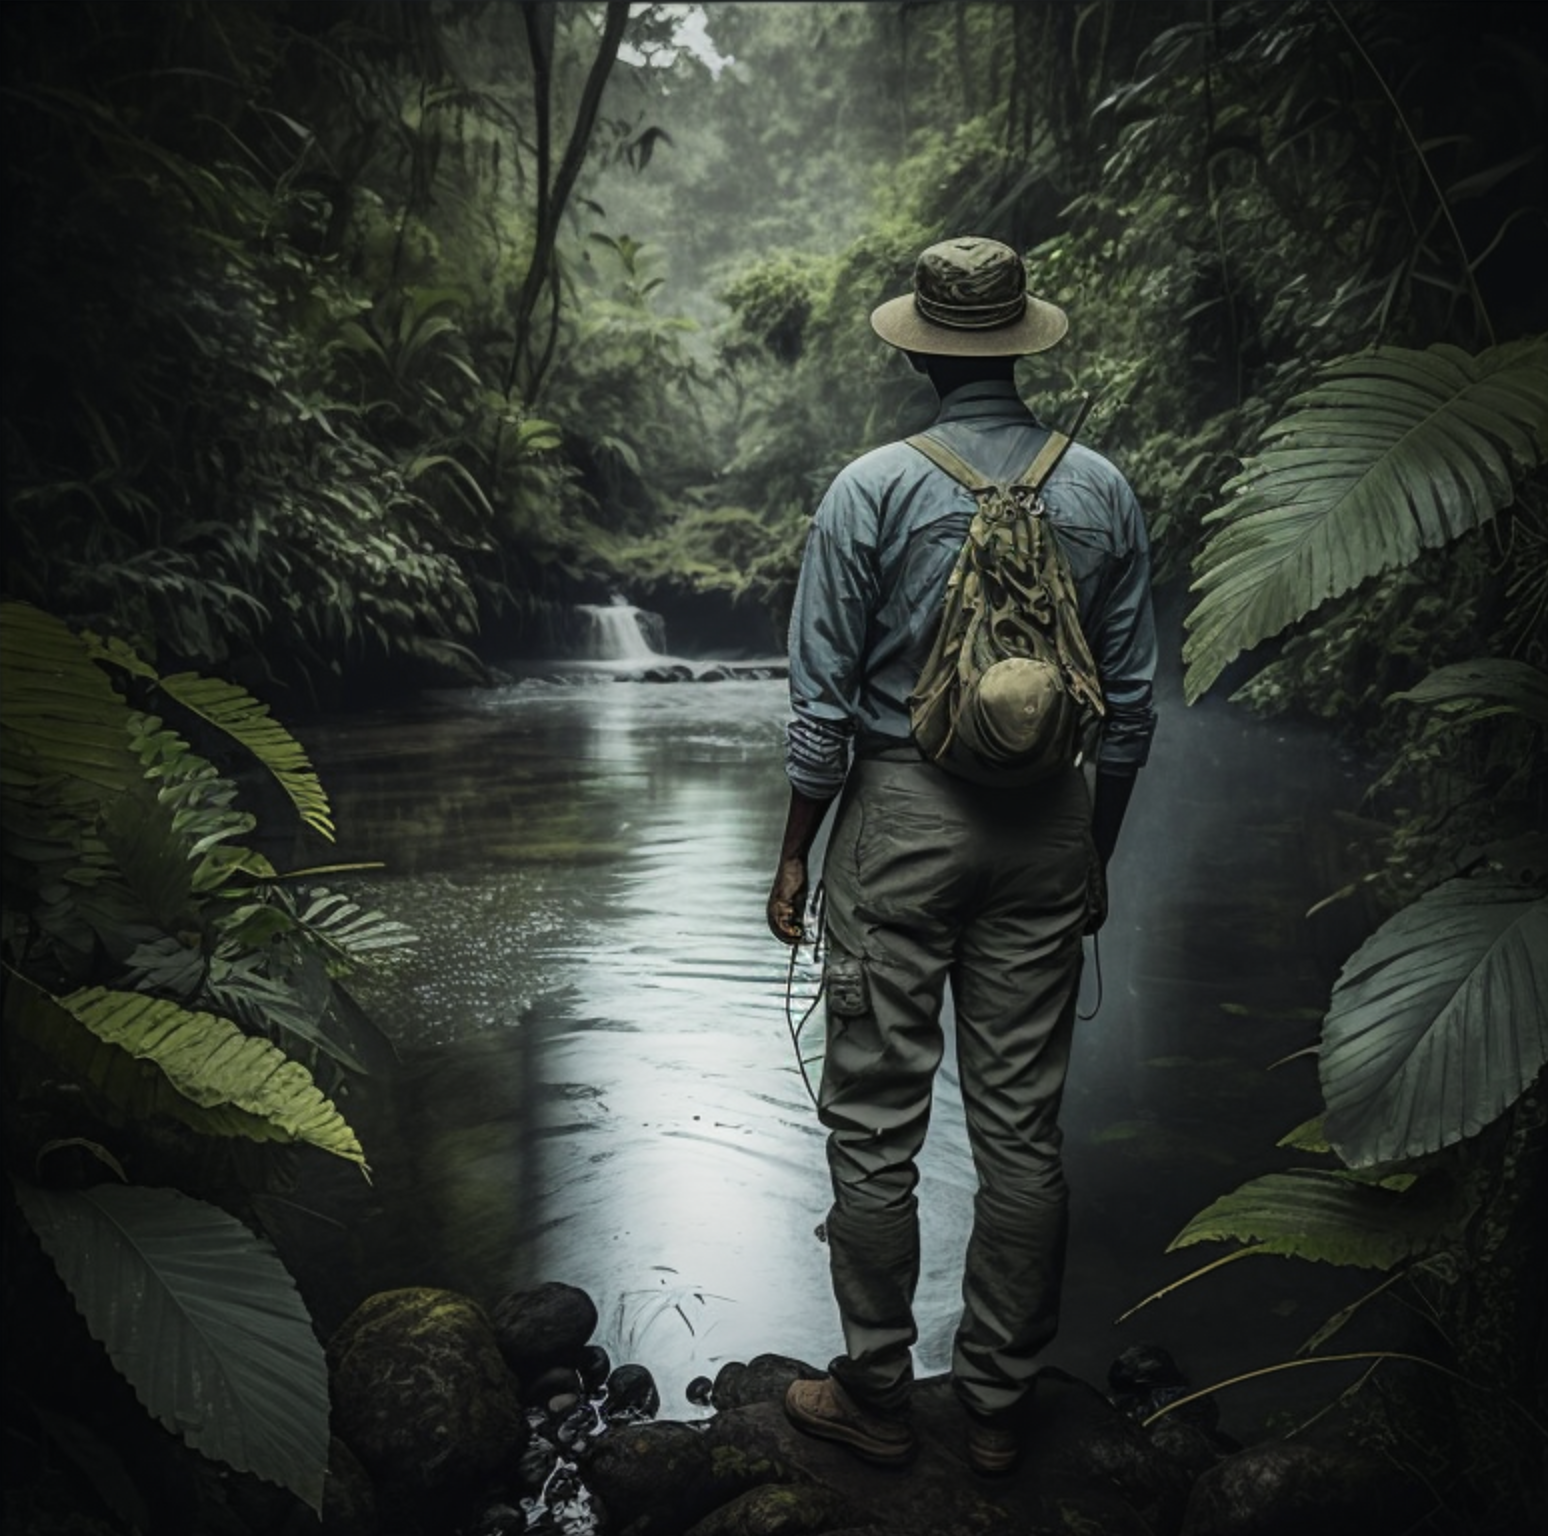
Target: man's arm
<point>1108,804</point>
<point>834,595</point>
<point>1126,659</point>
<point>787,897</point>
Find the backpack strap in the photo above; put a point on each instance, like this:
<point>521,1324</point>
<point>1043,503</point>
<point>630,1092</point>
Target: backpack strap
<point>952,462</point>
<point>1042,466</point>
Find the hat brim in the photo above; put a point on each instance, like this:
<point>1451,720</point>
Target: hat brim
<point>900,325</point>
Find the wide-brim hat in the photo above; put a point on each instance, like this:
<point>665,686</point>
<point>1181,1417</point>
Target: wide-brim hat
<point>970,299</point>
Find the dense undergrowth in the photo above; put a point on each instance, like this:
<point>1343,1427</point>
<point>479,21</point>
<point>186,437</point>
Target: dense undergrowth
<point>346,344</point>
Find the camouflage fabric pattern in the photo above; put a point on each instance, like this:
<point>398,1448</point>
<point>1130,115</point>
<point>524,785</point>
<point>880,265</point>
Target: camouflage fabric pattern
<point>970,283</point>
<point>1010,691</point>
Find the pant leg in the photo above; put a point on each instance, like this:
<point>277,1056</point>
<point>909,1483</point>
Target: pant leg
<point>889,876</point>
<point>1015,985</point>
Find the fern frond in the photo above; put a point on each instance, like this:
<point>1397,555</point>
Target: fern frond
<point>247,721</point>
<point>148,1056</point>
<point>1327,1215</point>
<point>61,723</point>
<point>1391,452</point>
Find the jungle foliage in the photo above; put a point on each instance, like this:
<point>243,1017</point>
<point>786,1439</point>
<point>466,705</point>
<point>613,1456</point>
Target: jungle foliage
<point>339,333</point>
<point>168,990</point>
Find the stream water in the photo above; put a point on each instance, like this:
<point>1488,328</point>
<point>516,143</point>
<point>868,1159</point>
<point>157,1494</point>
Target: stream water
<point>595,1080</point>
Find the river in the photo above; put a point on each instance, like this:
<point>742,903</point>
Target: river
<point>596,1080</point>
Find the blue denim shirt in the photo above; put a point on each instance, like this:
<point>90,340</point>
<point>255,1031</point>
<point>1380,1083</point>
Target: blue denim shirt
<point>881,546</point>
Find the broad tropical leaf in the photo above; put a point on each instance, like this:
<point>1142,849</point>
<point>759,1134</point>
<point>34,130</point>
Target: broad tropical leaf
<point>202,1319</point>
<point>1494,685</point>
<point>1327,1215</point>
<point>1306,1137</point>
<point>1390,453</point>
<point>1438,1022</point>
<point>237,713</point>
<point>151,1056</point>
<point>61,723</point>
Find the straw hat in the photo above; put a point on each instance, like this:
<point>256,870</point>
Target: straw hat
<point>970,299</point>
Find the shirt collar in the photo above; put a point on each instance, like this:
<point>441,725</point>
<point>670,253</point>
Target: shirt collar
<point>984,397</point>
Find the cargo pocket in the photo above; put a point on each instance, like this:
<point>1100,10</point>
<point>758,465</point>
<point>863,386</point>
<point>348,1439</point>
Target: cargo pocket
<point>848,995</point>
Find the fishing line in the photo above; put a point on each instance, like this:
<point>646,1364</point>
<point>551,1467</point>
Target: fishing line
<point>794,1025</point>
<point>1096,965</point>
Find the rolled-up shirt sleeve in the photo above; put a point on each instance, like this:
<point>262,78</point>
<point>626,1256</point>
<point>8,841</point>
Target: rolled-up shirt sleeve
<point>1125,646</point>
<point>829,624</point>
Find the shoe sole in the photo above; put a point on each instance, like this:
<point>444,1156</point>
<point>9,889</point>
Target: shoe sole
<point>852,1439</point>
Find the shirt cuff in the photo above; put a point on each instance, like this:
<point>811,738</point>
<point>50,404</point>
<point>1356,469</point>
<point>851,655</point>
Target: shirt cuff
<point>817,756</point>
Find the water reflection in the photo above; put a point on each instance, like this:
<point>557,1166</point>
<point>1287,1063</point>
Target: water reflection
<point>598,1084</point>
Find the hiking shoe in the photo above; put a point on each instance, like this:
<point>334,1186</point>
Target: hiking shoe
<point>824,1409</point>
<point>993,1447</point>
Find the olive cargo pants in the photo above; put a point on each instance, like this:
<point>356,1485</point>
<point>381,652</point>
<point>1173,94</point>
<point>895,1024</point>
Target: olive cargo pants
<point>929,878</point>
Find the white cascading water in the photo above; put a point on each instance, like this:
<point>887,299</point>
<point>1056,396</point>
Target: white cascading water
<point>618,631</point>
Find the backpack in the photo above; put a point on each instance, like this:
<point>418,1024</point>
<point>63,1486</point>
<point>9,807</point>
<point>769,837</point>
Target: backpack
<point>1010,692</point>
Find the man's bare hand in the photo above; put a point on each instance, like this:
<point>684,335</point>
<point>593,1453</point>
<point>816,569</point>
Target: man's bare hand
<point>787,900</point>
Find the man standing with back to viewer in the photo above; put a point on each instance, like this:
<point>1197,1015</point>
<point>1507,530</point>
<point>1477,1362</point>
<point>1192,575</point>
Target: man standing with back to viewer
<point>929,876</point>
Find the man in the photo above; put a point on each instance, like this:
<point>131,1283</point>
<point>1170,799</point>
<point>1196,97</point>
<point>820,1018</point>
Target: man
<point>929,877</point>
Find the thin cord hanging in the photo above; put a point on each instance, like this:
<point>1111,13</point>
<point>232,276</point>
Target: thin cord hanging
<point>1096,965</point>
<point>794,1025</point>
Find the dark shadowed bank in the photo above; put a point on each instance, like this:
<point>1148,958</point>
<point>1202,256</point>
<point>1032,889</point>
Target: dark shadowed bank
<point>452,1418</point>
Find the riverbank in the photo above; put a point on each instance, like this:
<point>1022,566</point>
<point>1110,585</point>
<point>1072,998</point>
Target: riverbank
<point>451,1421</point>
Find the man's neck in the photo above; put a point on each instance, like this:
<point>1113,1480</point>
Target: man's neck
<point>950,373</point>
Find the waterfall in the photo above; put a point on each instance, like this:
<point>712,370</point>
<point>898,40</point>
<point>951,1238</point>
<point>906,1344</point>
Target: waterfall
<point>618,631</point>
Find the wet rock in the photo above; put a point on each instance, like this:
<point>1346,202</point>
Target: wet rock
<point>499,1520</point>
<point>548,1325</point>
<point>782,1509</point>
<point>1068,1484</point>
<point>595,1366</point>
<point>421,1395</point>
<point>558,1380</point>
<point>918,1501</point>
<point>660,1479</point>
<point>534,1465</point>
<point>1288,1489</point>
<point>576,1430</point>
<point>632,1393</point>
<point>1145,1378</point>
<point>763,1379</point>
<point>1194,1448</point>
<point>1077,1436</point>
<point>699,1390</point>
<point>640,1475</point>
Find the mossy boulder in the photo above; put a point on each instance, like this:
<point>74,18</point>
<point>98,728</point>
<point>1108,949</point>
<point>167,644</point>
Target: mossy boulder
<point>1285,1488</point>
<point>659,1479</point>
<point>422,1396</point>
<point>782,1509</point>
<point>763,1379</point>
<point>544,1326</point>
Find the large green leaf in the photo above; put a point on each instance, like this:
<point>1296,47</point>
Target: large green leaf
<point>1438,1022</point>
<point>150,1056</point>
<point>61,723</point>
<point>1327,1215</point>
<point>1391,452</point>
<point>241,716</point>
<point>1493,685</point>
<point>202,1319</point>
